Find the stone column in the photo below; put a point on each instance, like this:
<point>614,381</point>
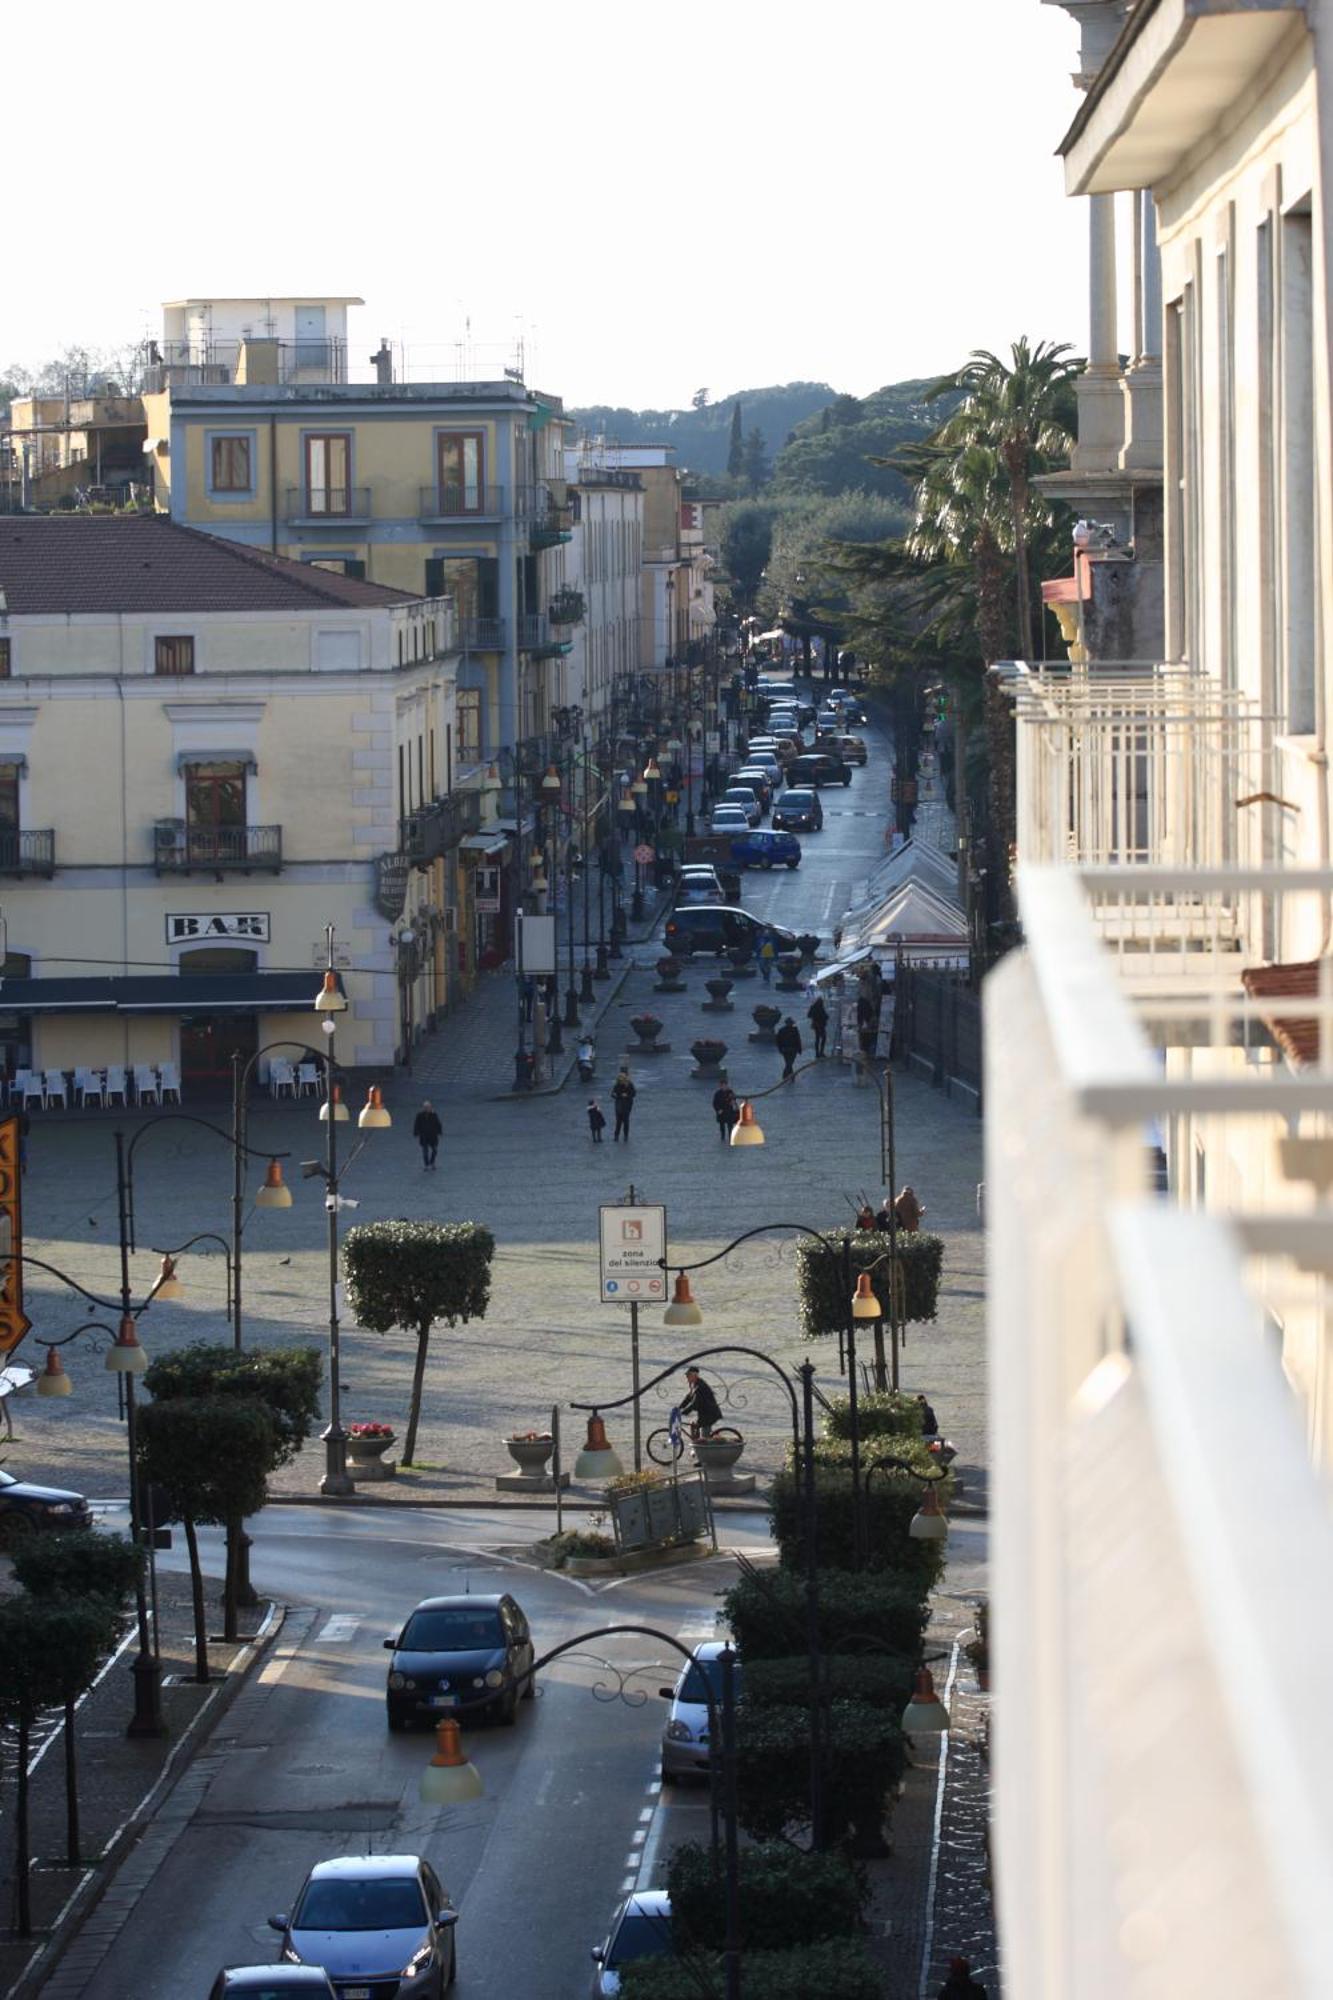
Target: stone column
<point>1142,386</point>
<point>1101,428</point>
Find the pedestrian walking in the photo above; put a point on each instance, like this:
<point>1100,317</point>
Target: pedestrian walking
<point>788,1039</point>
<point>817,1015</point>
<point>960,1985</point>
<point>529,995</point>
<point>426,1130</point>
<point>623,1095</point>
<point>596,1121</point>
<point>908,1210</point>
<point>930,1425</point>
<point>768,952</point>
<point>726,1110</point>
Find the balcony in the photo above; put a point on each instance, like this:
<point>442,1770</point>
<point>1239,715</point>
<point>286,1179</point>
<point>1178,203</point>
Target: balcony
<point>461,503</point>
<point>179,364</point>
<point>28,853</point>
<point>536,637</point>
<point>481,635</point>
<point>1156,1515</point>
<point>567,607</point>
<point>227,850</point>
<point>434,830</point>
<point>328,506</point>
<point>547,514</point>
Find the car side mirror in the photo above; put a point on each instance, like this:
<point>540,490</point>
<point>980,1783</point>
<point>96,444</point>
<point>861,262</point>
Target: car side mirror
<point>391,1645</point>
<point>277,1923</point>
<point>666,1693</point>
<point>446,1919</point>
<point>599,1954</point>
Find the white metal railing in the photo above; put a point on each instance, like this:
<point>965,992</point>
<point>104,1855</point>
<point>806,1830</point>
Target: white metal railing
<point>1161,1536</point>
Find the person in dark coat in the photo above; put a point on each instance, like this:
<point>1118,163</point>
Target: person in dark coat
<point>426,1131</point>
<point>788,1039</point>
<point>596,1121</point>
<point>726,1110</point>
<point>817,1015</point>
<point>623,1095</point>
<point>930,1425</point>
<point>909,1210</point>
<point>700,1403</point>
<point>960,1985</point>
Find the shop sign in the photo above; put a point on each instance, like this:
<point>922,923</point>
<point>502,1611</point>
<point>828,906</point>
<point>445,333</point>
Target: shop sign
<point>189,926</point>
<point>391,872</point>
<point>486,889</point>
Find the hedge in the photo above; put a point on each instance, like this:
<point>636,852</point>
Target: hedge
<point>822,1287</point>
<point>864,1756</point>
<point>888,1507</point>
<point>880,1680</point>
<point>766,1613</point>
<point>840,1969</point>
<point>880,1413</point>
<point>81,1565</point>
<point>787,1897</point>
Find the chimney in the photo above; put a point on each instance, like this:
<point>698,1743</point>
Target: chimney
<point>382,363</point>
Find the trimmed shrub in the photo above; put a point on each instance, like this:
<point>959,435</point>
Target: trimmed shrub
<point>889,1504</point>
<point>80,1565</point>
<point>840,1969</point>
<point>864,1755</point>
<point>822,1286</point>
<point>787,1897</point>
<point>880,1680</point>
<point>284,1379</point>
<point>880,1413</point>
<point>766,1613</point>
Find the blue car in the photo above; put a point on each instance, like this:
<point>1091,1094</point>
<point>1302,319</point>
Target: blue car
<point>761,848</point>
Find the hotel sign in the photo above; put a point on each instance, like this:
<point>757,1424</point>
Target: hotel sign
<point>190,926</point>
<point>14,1322</point>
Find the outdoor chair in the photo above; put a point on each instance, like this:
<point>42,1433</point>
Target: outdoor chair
<point>53,1086</point>
<point>115,1085</point>
<point>307,1079</point>
<point>169,1077</point>
<point>281,1077</point>
<point>87,1086</point>
<point>146,1089</point>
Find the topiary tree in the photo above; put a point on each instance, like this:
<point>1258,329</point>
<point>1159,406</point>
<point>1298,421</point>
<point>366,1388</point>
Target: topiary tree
<point>210,1455</point>
<point>863,1756</point>
<point>822,1286</point>
<point>880,1680</point>
<point>838,1969</point>
<point>767,1614</point>
<point>284,1379</point>
<point>880,1413</point>
<point>50,1651</point>
<point>888,1502</point>
<point>411,1274</point>
<point>787,1897</point>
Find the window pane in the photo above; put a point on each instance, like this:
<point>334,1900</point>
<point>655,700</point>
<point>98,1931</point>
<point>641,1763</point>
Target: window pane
<point>4,659</point>
<point>231,464</point>
<point>173,656</point>
<point>9,797</point>
<point>215,795</point>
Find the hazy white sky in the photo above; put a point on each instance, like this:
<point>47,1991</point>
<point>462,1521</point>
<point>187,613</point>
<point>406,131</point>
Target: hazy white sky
<point>731,194</point>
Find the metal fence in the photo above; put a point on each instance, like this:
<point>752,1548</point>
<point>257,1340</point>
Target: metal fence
<point>937,1028</point>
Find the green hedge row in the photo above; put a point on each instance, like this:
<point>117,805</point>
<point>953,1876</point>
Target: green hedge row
<point>864,1756</point>
<point>767,1613</point>
<point>787,1897</point>
<point>888,1505</point>
<point>880,1413</point>
<point>822,1283</point>
<point>880,1680</point>
<point>840,1969</point>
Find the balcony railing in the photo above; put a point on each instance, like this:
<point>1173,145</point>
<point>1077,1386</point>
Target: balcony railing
<point>230,849</point>
<point>30,852</point>
<point>535,753</point>
<point>327,506</point>
<point>181,363</point>
<point>481,635</point>
<point>547,513</point>
<point>436,829</point>
<point>567,607</point>
<point>462,503</point>
<point>1156,1516</point>
<point>536,636</point>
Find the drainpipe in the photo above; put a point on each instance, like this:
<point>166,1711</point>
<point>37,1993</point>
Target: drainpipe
<point>273,484</point>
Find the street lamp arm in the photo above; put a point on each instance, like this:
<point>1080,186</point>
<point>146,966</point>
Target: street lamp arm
<point>316,1055</point>
<point>702,1354</point>
<point>761,1229</point>
<point>204,1236</point>
<point>22,1257</point>
<point>888,1463</point>
<point>88,1326</point>
<point>189,1118</point>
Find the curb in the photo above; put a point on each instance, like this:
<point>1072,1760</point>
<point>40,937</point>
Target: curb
<point>97,1879</point>
<point>540,1503</point>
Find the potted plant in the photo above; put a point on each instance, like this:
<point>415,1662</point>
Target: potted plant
<point>766,1019</point>
<point>647,1027</point>
<point>530,1450</point>
<point>366,1446</point>
<point>789,970</point>
<point>719,999</point>
<point>668,976</point>
<point>808,944</point>
<point>708,1055</point>
<point>742,960</point>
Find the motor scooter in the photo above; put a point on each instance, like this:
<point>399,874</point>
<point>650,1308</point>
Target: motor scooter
<point>587,1055</point>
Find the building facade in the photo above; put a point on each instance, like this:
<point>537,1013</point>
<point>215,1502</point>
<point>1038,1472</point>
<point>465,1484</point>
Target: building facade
<point>604,565</point>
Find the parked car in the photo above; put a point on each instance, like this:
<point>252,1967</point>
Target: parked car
<point>798,811</point>
<point>273,1982</point>
<point>828,722</point>
<point>699,885</point>
<point>26,1509</point>
<point>715,927</point>
<point>459,1654</point>
<point>767,760</point>
<point>759,780</point>
<point>818,768</point>
<point>727,818</point>
<point>377,1923</point>
<point>849,704</point>
<point>783,720</point>
<point>762,847</point>
<point>852,749</point>
<point>747,798</point>
<point>640,1928</point>
<point>685,1735</point>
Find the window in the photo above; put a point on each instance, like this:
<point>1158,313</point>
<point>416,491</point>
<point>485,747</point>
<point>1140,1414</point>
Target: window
<point>9,798</point>
<point>214,796</point>
<point>460,469</point>
<point>231,468</point>
<point>469,724</point>
<point>1299,578</point>
<point>173,656</point>
<point>5,667</point>
<point>328,473</point>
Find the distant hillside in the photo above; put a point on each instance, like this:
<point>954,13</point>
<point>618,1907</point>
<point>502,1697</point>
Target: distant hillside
<point>702,437</point>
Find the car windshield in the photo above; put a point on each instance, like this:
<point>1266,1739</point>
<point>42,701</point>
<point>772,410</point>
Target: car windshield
<point>641,1936</point>
<point>710,1671</point>
<point>454,1630</point>
<point>379,1904</point>
<point>798,798</point>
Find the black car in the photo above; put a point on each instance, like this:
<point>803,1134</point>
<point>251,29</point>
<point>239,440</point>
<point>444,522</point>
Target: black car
<point>273,1982</point>
<point>716,928</point>
<point>459,1656</point>
<point>29,1510</point>
<point>818,768</point>
<point>798,811</point>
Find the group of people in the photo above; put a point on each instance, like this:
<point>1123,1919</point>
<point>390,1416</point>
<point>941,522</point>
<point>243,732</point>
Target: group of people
<point>904,1212</point>
<point>623,1093</point>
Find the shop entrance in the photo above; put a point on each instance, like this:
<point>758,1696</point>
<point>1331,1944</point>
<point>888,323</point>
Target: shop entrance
<point>210,1041</point>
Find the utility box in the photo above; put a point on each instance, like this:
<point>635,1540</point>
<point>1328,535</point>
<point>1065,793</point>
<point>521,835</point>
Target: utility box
<point>646,1517</point>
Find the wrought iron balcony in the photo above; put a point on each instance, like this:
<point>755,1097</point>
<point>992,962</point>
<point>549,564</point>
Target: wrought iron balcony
<point>30,852</point>
<point>567,607</point>
<point>534,754</point>
<point>481,635</point>
<point>436,829</point>
<point>233,850</point>
<point>535,636</point>
<point>328,506</point>
<point>548,515</point>
<point>461,503</point>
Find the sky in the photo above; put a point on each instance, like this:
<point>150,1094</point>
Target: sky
<point>649,201</point>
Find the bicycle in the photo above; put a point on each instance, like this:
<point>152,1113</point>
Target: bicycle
<point>667,1445</point>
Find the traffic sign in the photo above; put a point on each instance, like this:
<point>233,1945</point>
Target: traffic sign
<point>632,1241</point>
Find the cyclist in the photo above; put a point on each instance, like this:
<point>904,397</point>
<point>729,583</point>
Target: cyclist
<point>700,1405</point>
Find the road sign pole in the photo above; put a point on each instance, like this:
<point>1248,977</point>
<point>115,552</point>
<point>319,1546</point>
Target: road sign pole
<point>634,1379</point>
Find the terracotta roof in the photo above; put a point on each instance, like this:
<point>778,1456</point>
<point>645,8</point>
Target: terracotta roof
<point>1296,1035</point>
<point>73,563</point>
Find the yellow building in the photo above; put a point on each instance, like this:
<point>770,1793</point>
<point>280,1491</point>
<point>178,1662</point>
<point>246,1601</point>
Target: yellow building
<point>208,754</point>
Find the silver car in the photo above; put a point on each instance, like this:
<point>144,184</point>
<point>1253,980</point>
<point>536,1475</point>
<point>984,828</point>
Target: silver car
<point>685,1744</point>
<point>641,1928</point>
<point>379,1924</point>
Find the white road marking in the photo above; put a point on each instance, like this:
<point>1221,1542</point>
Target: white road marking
<point>338,1629</point>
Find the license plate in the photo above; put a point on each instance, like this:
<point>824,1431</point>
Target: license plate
<point>355,1992</point>
<point>443,1701</point>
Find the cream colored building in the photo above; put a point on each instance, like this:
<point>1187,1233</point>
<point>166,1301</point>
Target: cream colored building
<point>604,564</point>
<point>206,756</point>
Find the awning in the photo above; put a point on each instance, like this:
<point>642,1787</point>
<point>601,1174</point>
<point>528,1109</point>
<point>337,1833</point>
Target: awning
<point>485,843</point>
<point>1297,1035</point>
<point>246,758</point>
<point>192,993</point>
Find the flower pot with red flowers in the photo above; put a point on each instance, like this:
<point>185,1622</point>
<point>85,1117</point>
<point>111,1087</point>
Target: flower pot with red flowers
<point>741,957</point>
<point>530,1451</point>
<point>647,1027</point>
<point>366,1446</point>
<point>668,976</point>
<point>808,944</point>
<point>789,971</point>
<point>708,1056</point>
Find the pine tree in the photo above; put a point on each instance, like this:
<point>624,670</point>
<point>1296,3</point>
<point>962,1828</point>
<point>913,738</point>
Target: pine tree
<point>736,448</point>
<point>754,460</point>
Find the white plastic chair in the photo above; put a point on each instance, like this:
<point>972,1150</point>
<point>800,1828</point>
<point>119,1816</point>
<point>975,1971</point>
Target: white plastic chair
<point>170,1078</point>
<point>307,1079</point>
<point>281,1076</point>
<point>88,1086</point>
<point>115,1085</point>
<point>53,1086</point>
<point>146,1090</point>
<point>18,1089</point>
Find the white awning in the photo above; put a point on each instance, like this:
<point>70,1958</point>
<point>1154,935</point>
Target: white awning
<point>485,843</point>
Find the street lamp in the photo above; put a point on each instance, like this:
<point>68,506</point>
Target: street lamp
<point>929,1523</point>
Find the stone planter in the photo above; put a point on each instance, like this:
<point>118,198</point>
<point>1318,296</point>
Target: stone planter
<point>809,944</point>
<point>668,976</point>
<point>648,1028</point>
<point>765,1021</point>
<point>789,972</point>
<point>715,1458</point>
<point>708,1057</point>
<point>530,1455</point>
<point>742,961</point>
<point>719,1000</point>
<point>366,1460</point>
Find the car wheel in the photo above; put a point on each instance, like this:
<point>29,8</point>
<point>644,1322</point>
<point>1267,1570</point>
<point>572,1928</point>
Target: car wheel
<point>397,1721</point>
<point>846,777</point>
<point>793,864</point>
<point>507,1710</point>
